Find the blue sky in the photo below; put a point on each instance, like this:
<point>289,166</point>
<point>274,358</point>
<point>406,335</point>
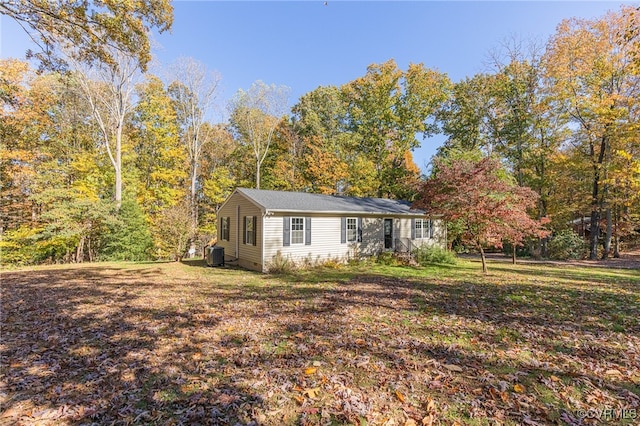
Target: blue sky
<point>306,44</point>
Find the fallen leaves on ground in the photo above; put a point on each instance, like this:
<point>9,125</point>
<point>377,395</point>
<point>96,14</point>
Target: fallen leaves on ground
<point>178,344</point>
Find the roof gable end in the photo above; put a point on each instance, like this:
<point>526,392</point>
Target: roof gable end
<point>240,193</point>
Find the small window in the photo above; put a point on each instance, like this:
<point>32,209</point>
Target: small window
<point>249,227</point>
<point>423,228</point>
<point>352,230</point>
<point>297,230</point>
<point>419,228</point>
<point>224,232</point>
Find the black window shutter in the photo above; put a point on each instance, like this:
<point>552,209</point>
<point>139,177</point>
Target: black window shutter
<point>359,229</point>
<point>307,231</point>
<point>255,230</point>
<point>221,229</point>
<point>413,228</point>
<point>286,231</point>
<point>226,235</point>
<point>343,230</point>
<point>430,228</point>
<point>244,230</point>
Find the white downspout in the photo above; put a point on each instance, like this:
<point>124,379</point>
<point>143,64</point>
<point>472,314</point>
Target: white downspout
<point>263,225</point>
<point>238,232</point>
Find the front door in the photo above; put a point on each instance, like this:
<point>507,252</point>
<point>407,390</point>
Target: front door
<point>388,234</point>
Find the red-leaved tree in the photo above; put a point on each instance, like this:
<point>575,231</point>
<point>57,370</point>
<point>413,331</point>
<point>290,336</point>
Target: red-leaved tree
<point>487,207</point>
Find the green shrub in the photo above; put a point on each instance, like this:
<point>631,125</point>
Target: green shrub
<point>55,248</point>
<point>363,261</point>
<point>428,255</point>
<point>281,265</point>
<point>129,237</point>
<point>566,245</point>
<point>387,258</point>
<point>334,263</point>
<point>17,246</point>
<point>171,231</point>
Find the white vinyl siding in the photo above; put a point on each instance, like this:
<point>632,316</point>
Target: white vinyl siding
<point>322,234</point>
<point>324,237</point>
<point>372,236</point>
<point>248,256</point>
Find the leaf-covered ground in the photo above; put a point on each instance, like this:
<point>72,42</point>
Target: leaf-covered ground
<point>169,343</point>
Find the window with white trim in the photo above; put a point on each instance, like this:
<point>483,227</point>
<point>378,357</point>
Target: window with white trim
<point>297,230</point>
<point>224,234</point>
<point>249,226</point>
<point>352,229</point>
<point>420,230</point>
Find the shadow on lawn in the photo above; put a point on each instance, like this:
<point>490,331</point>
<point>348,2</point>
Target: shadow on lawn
<point>197,263</point>
<point>108,345</point>
<point>502,316</point>
<point>574,273</point>
<point>78,347</point>
<point>591,308</point>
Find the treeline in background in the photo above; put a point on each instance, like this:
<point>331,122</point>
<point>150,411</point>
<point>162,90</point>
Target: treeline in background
<point>104,162</point>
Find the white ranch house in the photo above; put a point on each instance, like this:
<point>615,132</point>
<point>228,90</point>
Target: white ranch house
<point>255,226</point>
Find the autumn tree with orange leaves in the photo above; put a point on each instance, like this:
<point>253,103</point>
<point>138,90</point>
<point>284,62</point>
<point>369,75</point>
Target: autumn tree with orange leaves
<point>595,83</point>
<point>487,206</point>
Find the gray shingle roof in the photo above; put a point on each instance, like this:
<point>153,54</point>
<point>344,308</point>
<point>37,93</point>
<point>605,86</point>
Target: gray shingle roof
<point>305,202</point>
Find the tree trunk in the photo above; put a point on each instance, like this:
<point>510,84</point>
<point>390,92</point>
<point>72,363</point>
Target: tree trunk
<point>258,174</point>
<point>596,201</point>
<point>118,195</point>
<point>118,166</point>
<point>80,250</point>
<point>484,260</point>
<point>616,237</point>
<point>194,202</point>
<point>542,242</point>
<point>513,254</point>
<point>606,244</point>
<point>595,232</point>
<point>541,249</point>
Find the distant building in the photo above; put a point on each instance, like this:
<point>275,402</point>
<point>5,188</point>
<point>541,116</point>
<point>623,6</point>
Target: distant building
<point>582,226</point>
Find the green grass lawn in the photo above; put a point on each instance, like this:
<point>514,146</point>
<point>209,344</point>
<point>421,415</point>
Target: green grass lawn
<point>171,343</point>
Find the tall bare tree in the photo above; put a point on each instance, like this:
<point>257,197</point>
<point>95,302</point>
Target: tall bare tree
<point>255,116</point>
<point>108,89</point>
<point>194,90</point>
